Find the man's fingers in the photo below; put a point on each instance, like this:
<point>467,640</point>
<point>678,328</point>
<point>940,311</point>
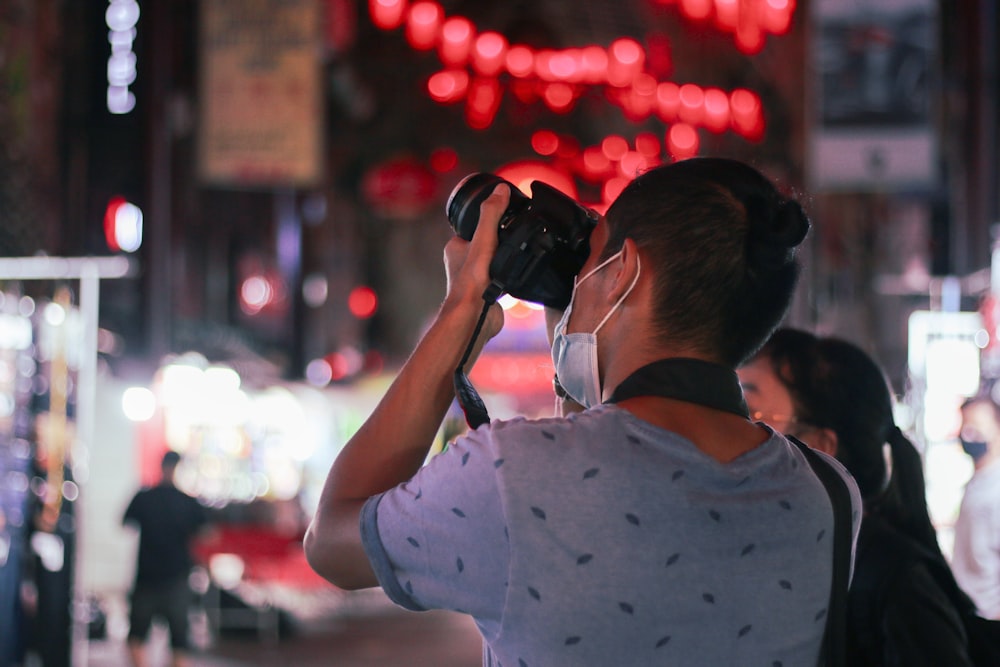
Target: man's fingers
<point>490,212</point>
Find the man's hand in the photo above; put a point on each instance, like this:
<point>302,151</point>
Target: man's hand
<point>467,263</point>
<point>392,444</point>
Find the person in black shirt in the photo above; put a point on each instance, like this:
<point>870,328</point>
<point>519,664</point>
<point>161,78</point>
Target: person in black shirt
<point>167,520</point>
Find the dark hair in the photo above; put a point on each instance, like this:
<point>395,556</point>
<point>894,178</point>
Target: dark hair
<point>170,459</point>
<point>722,240</point>
<point>836,385</point>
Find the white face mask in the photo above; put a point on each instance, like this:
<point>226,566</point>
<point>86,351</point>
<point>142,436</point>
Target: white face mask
<point>574,355</point>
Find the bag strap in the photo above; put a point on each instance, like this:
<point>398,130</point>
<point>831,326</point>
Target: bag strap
<point>835,634</point>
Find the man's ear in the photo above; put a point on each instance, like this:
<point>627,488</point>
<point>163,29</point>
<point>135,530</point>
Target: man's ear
<point>625,270</point>
<point>824,440</point>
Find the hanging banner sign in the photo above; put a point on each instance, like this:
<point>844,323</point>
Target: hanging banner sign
<point>260,120</point>
<point>871,79</point>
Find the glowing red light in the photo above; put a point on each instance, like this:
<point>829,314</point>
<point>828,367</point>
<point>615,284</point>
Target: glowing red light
<point>456,41</point>
<point>692,108</point>
<point>545,142</point>
<point>387,14</point>
<point>647,143</point>
<point>558,97</point>
<point>543,65</point>
<point>362,302</point>
<point>632,164</point>
<point>614,147</point>
<point>682,141</point>
<point>747,118</point>
<point>627,52</point>
<point>776,16</point>
<point>625,61</point>
<point>668,101</point>
<point>482,103</point>
<point>520,61</point>
<point>749,38</point>
<point>696,9</point>
<point>489,53</point>
<point>595,163</point>
<point>613,187</point>
<point>443,160</point>
<point>423,25</point>
<point>110,217</point>
<point>594,64</point>
<point>716,110</point>
<point>727,14</point>
<point>448,86</point>
<point>564,66</point>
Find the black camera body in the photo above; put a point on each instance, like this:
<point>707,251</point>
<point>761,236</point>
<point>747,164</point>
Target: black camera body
<point>544,240</point>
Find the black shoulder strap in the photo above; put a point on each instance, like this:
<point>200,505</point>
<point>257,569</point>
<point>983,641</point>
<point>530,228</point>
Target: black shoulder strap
<point>835,635</point>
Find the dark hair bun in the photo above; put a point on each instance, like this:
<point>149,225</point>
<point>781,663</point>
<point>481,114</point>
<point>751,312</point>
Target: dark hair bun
<point>772,240</point>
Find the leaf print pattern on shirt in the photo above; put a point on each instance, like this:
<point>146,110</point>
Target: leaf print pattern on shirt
<point>635,520</point>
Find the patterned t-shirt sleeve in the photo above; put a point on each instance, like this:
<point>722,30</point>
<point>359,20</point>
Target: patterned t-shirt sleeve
<point>439,540</point>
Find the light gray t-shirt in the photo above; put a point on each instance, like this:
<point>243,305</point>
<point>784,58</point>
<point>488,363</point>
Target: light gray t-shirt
<point>600,539</point>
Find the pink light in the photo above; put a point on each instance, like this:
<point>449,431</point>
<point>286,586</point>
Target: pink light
<point>727,14</point>
<point>563,66</point>
<point>456,41</point>
<point>558,97</point>
<point>625,61</point>
<point>639,100</point>
<point>594,64</point>
<point>632,164</point>
<point>668,101</point>
<point>595,163</point>
<point>482,103</point>
<point>747,118</point>
<point>520,61</point>
<point>647,143</point>
<point>448,86</point>
<point>423,25</point>
<point>613,187</point>
<point>362,302</point>
<point>489,53</point>
<point>776,16</point>
<point>692,108</point>
<point>696,9</point>
<point>716,110</point>
<point>387,14</point>
<point>545,142</point>
<point>614,147</point>
<point>749,37</point>
<point>543,65</point>
<point>682,141</point>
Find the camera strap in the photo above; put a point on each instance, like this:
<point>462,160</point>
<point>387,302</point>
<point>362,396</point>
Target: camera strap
<point>691,380</point>
<point>468,398</point>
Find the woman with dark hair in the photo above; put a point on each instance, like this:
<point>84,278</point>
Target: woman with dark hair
<point>904,603</point>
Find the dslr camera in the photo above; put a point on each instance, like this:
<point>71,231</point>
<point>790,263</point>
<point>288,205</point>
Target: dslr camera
<point>544,239</point>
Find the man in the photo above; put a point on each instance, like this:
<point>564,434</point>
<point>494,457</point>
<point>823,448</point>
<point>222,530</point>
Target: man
<point>167,520</point>
<point>663,527</point>
<point>976,553</point>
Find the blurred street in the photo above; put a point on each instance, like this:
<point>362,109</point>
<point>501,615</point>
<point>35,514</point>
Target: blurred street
<point>373,634</point>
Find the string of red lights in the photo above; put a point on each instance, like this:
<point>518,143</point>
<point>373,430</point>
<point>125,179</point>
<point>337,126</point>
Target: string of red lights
<point>480,66</point>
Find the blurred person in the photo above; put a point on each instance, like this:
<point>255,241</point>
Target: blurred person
<point>168,520</point>
<point>658,526</point>
<point>904,606</point>
<point>976,551</point>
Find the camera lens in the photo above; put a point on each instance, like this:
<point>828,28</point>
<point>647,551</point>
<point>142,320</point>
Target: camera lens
<point>463,204</point>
